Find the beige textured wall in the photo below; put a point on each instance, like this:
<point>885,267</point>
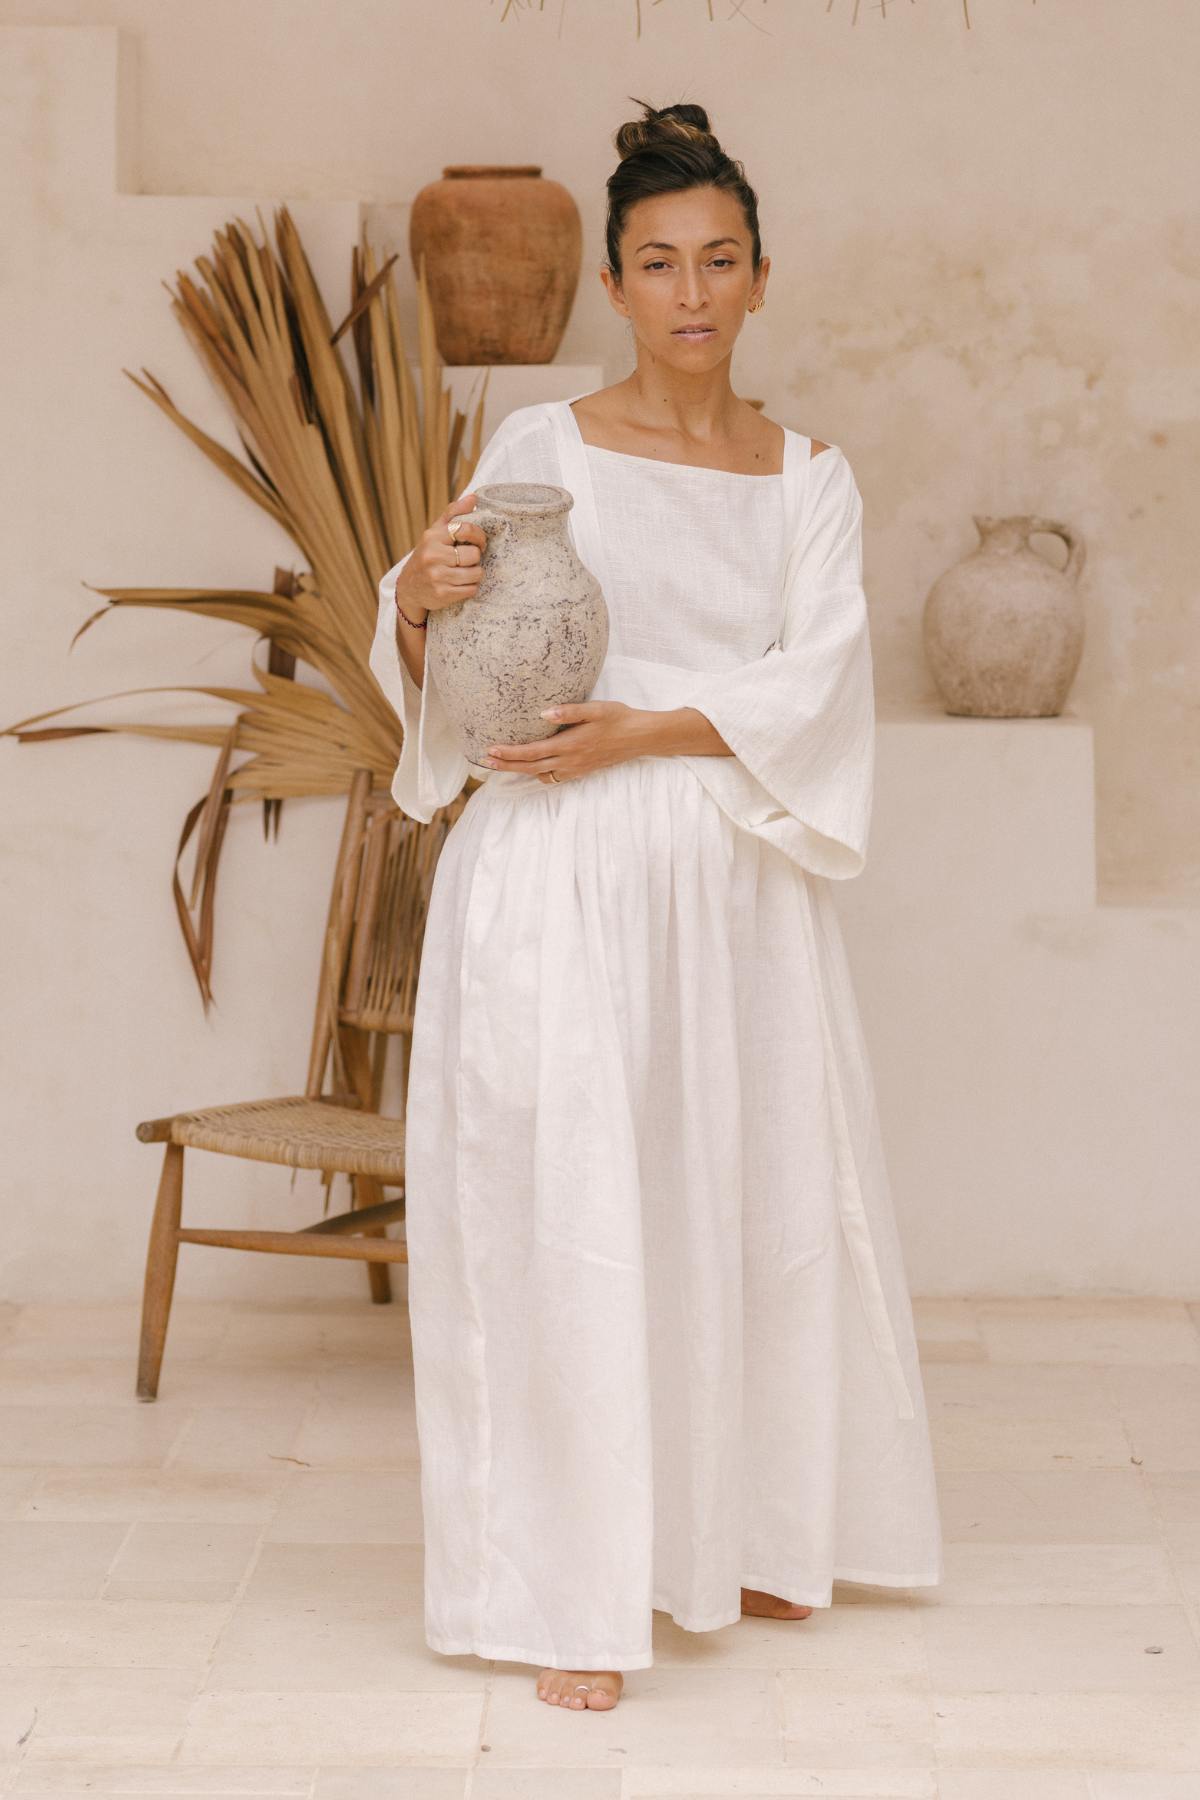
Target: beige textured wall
<point>986,274</point>
<point>1035,1052</point>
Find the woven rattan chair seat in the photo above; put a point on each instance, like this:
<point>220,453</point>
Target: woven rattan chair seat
<point>303,1133</point>
<point>366,999</point>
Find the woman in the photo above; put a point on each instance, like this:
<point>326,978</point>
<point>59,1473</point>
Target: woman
<point>663,1346</point>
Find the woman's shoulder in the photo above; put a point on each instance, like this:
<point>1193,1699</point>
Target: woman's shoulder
<point>828,467</point>
<point>770,431</point>
<point>822,455</point>
<point>521,420</point>
<point>754,439</point>
<point>520,446</point>
<point>829,489</point>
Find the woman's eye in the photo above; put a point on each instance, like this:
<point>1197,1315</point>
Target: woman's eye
<point>726,261</point>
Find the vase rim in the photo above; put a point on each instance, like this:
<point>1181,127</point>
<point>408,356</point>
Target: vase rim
<point>537,499</point>
<point>461,171</point>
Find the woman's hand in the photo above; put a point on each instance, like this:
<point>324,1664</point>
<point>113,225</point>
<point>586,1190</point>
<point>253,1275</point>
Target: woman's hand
<point>597,733</point>
<point>434,576</point>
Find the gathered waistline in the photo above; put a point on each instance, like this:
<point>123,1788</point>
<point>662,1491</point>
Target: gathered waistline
<point>503,784</point>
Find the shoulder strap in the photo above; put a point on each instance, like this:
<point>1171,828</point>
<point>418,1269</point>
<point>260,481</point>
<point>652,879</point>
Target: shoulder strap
<point>582,520</point>
<point>797,449</point>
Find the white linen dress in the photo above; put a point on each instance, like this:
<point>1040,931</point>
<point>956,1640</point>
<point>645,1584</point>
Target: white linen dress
<point>662,1339</point>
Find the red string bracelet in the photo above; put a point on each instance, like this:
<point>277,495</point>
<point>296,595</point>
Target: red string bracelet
<point>417,624</point>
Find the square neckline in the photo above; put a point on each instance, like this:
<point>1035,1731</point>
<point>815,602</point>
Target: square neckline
<point>699,468</point>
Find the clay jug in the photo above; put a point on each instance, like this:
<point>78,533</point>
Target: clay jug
<point>1003,628</point>
<point>536,632</point>
<point>502,248</point>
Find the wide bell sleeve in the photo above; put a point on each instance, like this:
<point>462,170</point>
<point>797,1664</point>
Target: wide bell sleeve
<point>800,719</point>
<point>432,770</point>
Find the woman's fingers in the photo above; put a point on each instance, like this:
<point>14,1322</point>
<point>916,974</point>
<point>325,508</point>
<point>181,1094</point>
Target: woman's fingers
<point>459,553</point>
<point>527,765</point>
<point>464,504</point>
<point>542,767</point>
<point>467,534</point>
<point>535,749</point>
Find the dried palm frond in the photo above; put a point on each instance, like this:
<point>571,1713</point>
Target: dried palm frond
<point>353,474</point>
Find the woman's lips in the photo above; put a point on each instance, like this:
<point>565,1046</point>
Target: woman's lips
<point>696,331</point>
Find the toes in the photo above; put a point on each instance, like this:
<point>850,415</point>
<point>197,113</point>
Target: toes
<point>762,1605</point>
<point>557,1688</point>
<point>554,1687</point>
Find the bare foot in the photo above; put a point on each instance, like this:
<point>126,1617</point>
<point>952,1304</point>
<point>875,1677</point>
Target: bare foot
<point>770,1606</point>
<point>565,1687</point>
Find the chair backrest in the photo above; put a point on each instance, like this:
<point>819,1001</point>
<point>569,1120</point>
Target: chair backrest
<point>374,931</point>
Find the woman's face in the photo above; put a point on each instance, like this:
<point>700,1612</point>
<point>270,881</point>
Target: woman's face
<point>686,261</point>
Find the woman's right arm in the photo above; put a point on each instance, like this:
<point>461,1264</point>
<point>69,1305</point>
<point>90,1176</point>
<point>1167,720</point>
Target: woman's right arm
<point>442,569</point>
<point>432,769</point>
<point>410,629</point>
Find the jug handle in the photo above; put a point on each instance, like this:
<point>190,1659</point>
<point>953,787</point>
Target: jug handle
<point>1076,550</point>
<point>487,520</point>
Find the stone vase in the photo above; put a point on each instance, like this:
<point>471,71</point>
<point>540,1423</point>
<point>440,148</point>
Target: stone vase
<point>534,635</point>
<point>502,248</point>
<point>1003,629</point>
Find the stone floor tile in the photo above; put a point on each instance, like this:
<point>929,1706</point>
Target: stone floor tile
<point>1058,1574</point>
<point>1047,1506</point>
<point>1087,1331</point>
<point>205,1495</point>
<point>128,1436</point>
<point>57,1559</point>
<point>335,1727</point>
<point>314,1646</point>
<point>165,1781</point>
<point>713,1717</point>
<point>362,1506</point>
<point>1034,1649</point>
<point>1069,1731</point>
<point>108,1634</point>
<point>114,1714</point>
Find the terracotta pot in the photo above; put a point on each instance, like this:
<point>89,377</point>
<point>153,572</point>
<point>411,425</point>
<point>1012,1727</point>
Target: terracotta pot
<point>536,632</point>
<point>1003,629</point>
<point>502,248</point>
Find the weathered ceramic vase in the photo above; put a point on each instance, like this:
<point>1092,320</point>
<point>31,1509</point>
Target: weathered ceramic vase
<point>501,245</point>
<point>1003,629</point>
<point>535,634</point>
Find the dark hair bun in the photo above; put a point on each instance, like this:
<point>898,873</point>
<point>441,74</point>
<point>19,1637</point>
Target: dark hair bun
<point>667,151</point>
<point>680,123</point>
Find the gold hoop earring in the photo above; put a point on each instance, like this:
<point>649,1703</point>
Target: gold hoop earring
<point>756,305</point>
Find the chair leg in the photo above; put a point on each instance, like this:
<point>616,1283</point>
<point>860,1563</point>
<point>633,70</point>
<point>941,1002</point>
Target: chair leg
<point>162,1254</point>
<point>368,1192</point>
<point>356,1051</point>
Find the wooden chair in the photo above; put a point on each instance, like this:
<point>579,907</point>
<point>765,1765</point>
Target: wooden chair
<point>366,994</point>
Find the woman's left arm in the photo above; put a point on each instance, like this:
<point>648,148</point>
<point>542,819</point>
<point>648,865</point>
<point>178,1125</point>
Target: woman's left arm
<point>610,731</point>
<point>800,720</point>
<point>784,744</point>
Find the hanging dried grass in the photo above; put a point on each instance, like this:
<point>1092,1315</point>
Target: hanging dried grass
<point>353,473</point>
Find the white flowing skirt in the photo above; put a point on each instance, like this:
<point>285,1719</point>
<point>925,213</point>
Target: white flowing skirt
<point>658,1306</point>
